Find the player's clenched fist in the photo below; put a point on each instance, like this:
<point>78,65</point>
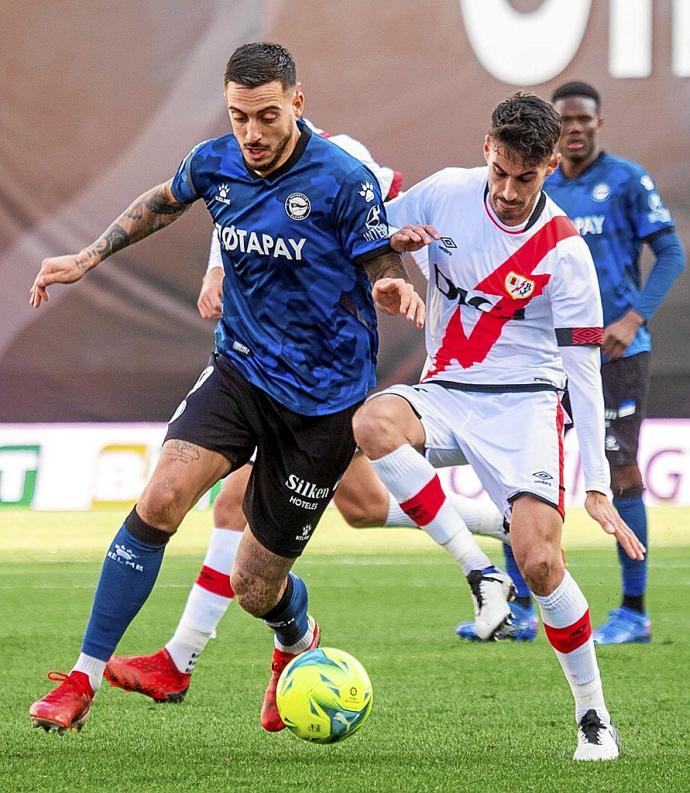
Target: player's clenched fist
<point>57,270</point>
<point>397,296</point>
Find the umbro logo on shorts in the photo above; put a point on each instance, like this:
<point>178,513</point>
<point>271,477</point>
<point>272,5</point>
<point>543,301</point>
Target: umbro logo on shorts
<point>543,477</point>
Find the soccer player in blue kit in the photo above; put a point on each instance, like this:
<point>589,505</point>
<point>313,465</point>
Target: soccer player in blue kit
<point>303,232</point>
<point>616,208</point>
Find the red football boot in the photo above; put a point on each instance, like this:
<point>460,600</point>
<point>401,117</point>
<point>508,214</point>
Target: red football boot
<point>270,718</point>
<point>67,706</point>
<point>155,676</point>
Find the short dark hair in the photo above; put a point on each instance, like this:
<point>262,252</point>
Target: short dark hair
<point>577,88</point>
<point>261,62</point>
<point>527,125</point>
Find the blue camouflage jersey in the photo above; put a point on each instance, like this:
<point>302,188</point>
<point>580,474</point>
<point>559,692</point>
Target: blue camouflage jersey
<point>298,317</point>
<point>615,206</point>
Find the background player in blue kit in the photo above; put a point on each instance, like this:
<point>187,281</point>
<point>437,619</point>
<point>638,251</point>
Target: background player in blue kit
<point>616,208</point>
<point>303,231</point>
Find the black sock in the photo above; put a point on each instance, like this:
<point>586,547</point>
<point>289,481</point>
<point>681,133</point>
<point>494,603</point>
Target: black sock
<point>634,602</point>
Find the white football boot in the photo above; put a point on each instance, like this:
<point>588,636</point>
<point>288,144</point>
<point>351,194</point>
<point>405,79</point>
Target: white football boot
<point>596,740</point>
<point>491,591</point>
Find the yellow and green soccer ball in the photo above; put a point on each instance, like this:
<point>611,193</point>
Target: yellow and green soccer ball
<point>324,695</point>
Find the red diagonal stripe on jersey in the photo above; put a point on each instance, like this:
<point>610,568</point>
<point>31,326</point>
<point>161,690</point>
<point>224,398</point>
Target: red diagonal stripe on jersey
<point>588,336</point>
<point>468,350</point>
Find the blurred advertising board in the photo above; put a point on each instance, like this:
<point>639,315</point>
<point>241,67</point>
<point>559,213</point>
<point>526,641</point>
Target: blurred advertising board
<point>99,465</point>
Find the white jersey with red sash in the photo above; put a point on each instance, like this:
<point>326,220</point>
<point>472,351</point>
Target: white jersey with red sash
<point>500,299</point>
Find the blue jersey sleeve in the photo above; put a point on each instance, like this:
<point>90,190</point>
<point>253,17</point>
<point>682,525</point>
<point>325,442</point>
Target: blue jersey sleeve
<point>360,216</point>
<point>646,211</point>
<point>182,186</point>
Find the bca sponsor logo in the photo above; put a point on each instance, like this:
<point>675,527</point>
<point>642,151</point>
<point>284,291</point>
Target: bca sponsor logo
<point>298,206</point>
<point>518,287</point>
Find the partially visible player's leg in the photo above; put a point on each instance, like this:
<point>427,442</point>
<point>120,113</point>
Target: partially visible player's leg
<point>626,387</point>
<point>299,461</point>
<point>365,503</point>
<point>183,473</point>
<point>267,589</point>
<point>536,532</point>
<point>389,431</point>
<point>165,675</point>
<point>523,616</point>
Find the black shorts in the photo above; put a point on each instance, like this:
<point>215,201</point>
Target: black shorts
<point>626,388</point>
<point>299,459</point>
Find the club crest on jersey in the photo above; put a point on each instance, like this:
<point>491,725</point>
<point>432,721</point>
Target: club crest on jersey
<point>223,194</point>
<point>298,206</point>
<point>518,287</point>
<point>601,192</point>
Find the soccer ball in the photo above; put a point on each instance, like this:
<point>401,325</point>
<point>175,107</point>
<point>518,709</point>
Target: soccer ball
<point>324,695</point>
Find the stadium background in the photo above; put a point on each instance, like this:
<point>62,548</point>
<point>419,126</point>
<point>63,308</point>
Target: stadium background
<point>101,101</point>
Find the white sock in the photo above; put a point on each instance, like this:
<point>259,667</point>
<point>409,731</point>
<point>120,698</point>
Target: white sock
<point>208,601</point>
<point>302,644</point>
<point>396,518</point>
<point>411,479</point>
<point>93,667</point>
<point>565,615</point>
<point>480,518</point>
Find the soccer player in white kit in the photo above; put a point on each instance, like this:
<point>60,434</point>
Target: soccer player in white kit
<point>513,309</point>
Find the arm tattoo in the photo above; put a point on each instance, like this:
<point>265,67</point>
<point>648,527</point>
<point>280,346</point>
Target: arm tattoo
<point>181,452</point>
<point>151,212</point>
<point>388,265</point>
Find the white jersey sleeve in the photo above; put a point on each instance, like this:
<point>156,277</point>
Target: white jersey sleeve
<point>578,322</point>
<point>214,258</point>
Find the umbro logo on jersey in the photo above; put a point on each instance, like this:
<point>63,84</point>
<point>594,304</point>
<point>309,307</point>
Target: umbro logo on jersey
<point>447,243</point>
<point>298,206</point>
<point>223,194</point>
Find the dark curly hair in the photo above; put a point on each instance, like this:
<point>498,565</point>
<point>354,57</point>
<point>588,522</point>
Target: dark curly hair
<point>261,62</point>
<point>527,125</point>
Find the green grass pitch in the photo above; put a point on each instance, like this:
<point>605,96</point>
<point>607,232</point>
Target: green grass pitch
<point>447,716</point>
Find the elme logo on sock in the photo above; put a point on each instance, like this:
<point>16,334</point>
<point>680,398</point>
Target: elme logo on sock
<point>125,556</point>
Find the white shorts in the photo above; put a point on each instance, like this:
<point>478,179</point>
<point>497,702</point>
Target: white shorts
<point>512,440</point>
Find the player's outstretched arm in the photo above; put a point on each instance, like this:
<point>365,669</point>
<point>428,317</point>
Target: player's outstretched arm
<point>606,515</point>
<point>392,289</point>
<point>153,210</point>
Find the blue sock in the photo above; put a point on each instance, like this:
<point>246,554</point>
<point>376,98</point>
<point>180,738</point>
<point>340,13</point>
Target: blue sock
<point>289,617</point>
<point>634,572</point>
<point>513,571</point>
<point>129,572</point>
